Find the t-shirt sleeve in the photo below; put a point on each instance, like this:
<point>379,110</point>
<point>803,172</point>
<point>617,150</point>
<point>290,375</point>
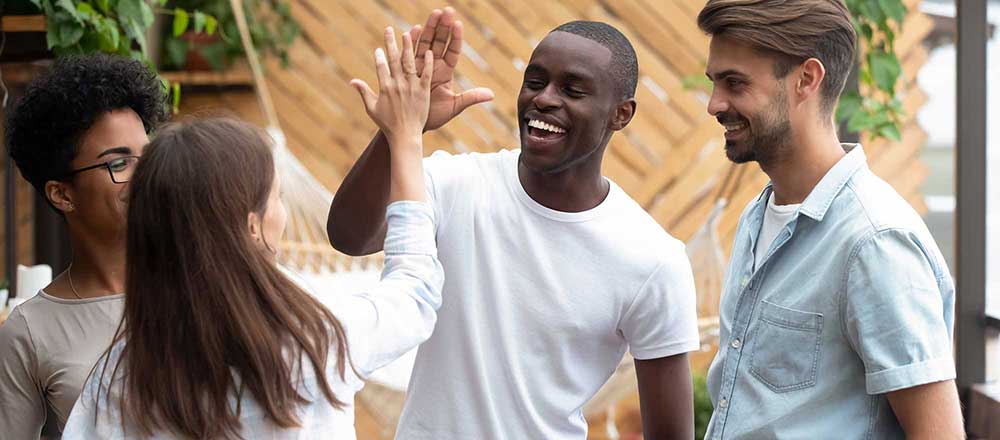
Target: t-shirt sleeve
<point>444,175</point>
<point>23,413</point>
<point>662,320</point>
<point>894,314</point>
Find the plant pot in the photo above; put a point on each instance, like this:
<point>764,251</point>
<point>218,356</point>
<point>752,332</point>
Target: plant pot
<point>195,61</point>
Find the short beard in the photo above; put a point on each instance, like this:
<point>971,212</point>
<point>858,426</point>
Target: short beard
<point>770,138</point>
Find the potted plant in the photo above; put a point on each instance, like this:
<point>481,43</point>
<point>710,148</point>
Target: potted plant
<point>272,29</point>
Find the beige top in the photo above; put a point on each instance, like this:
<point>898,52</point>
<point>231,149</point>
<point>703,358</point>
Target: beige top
<point>48,346</point>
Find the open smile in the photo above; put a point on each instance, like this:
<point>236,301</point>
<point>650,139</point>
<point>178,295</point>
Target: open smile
<point>541,134</point>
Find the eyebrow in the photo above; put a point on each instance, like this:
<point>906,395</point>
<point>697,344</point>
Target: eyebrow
<point>725,74</point>
<point>115,150</point>
<point>533,68</point>
<point>579,77</point>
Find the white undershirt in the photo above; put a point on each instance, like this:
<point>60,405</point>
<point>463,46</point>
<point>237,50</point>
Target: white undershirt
<point>775,218</point>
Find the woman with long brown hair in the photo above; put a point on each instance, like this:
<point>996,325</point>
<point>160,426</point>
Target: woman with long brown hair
<point>216,341</point>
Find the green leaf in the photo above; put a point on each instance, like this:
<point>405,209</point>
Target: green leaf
<point>896,105</point>
<point>103,6</point>
<point>130,10</point>
<point>215,54</point>
<point>69,33</point>
<point>147,14</point>
<point>109,36</point>
<point>85,10</point>
<point>52,37</point>
<point>850,103</point>
<point>90,42</point>
<point>199,21</point>
<point>210,24</point>
<point>180,21</point>
<point>136,55</point>
<point>175,53</point>
<point>861,121</point>
<point>867,31</point>
<point>68,6</point>
<point>894,9</point>
<point>176,101</point>
<point>885,70</point>
<point>890,131</point>
<point>140,37</point>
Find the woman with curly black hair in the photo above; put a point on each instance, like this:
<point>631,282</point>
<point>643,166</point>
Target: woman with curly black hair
<point>75,136</point>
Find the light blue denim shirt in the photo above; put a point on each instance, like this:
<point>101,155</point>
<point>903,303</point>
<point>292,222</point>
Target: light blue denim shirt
<point>853,300</point>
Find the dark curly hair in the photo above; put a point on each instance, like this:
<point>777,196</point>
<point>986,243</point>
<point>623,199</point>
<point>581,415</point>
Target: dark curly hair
<point>44,129</point>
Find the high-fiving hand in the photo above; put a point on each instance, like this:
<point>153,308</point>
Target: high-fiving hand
<point>442,34</point>
<point>401,106</point>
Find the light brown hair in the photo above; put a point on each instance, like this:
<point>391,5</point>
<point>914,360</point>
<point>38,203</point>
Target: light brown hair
<point>208,314</point>
<point>794,31</point>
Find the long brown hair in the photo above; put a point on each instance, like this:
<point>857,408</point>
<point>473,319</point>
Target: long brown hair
<point>208,314</point>
<point>795,30</point>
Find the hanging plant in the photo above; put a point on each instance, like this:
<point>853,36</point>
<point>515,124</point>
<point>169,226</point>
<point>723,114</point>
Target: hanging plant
<point>272,29</point>
<point>877,109</point>
<point>114,26</point>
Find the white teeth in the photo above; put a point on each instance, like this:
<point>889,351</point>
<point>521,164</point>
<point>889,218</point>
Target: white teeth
<point>545,126</point>
<point>735,126</point>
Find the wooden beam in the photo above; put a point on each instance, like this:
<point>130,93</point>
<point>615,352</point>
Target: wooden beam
<point>23,23</point>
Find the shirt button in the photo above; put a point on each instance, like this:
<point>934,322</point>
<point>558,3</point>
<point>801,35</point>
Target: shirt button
<point>723,403</point>
<point>736,343</point>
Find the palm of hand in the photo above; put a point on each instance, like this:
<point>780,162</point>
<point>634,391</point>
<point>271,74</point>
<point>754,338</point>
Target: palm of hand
<point>444,100</point>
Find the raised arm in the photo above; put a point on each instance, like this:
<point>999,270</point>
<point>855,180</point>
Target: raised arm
<point>399,312</point>
<point>356,223</point>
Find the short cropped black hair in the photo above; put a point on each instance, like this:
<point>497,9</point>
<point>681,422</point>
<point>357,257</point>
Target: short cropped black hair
<point>44,129</point>
<point>624,65</point>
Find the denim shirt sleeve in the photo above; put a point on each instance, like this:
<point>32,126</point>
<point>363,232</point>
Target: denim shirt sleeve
<point>894,313</point>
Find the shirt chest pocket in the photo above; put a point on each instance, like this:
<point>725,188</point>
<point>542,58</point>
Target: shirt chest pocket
<point>786,347</point>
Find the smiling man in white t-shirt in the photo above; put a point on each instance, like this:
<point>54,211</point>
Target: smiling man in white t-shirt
<point>552,271</point>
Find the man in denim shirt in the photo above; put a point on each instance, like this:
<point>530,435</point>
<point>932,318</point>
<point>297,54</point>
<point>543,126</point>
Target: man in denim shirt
<point>837,307</point>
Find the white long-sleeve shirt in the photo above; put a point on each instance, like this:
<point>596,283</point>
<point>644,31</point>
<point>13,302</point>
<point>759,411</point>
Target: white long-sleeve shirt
<point>381,325</point>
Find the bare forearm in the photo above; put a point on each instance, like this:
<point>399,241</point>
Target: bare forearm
<point>930,411</point>
<point>356,223</point>
<point>406,169</point>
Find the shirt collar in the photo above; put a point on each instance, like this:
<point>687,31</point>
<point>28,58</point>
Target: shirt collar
<point>822,196</point>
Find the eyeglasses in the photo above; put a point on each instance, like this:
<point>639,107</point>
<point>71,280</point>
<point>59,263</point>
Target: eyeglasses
<point>120,168</point>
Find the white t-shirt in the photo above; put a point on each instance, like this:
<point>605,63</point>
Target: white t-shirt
<point>540,305</point>
<point>775,219</point>
<point>381,324</point>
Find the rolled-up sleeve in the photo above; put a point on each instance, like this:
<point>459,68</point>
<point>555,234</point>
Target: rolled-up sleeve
<point>895,313</point>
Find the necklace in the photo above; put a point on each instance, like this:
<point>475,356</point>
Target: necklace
<point>69,274</point>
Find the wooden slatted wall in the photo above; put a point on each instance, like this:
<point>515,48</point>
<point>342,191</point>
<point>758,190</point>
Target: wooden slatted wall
<point>669,159</point>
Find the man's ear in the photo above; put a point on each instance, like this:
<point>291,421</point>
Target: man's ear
<point>810,79</point>
<point>623,114</point>
<point>59,195</point>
